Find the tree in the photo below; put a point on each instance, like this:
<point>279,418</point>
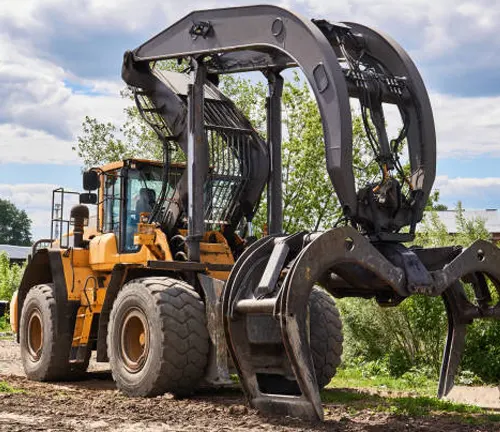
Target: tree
<point>15,225</point>
<point>433,202</point>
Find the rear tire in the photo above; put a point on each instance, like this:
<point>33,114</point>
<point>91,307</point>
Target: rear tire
<point>157,338</point>
<point>46,338</point>
<point>326,335</point>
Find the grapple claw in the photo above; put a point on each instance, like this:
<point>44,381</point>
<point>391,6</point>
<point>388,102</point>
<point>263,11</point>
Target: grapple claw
<point>455,340</point>
<point>268,337</point>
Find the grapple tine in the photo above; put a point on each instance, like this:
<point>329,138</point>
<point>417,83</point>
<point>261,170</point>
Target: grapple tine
<point>455,340</point>
<point>472,265</point>
<point>295,340</point>
<point>453,350</point>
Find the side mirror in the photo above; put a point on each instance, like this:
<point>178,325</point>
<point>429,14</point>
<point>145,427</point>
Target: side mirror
<point>91,180</point>
<point>88,198</point>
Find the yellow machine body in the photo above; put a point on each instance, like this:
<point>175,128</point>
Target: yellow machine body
<point>87,272</point>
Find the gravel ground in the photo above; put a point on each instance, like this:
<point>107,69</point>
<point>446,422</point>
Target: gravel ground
<point>95,404</point>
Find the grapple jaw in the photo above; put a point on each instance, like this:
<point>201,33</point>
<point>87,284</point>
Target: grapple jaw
<point>267,326</point>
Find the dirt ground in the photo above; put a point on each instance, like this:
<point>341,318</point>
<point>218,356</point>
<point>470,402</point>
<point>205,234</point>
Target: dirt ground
<point>95,404</point>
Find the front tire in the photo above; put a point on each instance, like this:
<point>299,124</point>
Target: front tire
<point>157,338</point>
<point>45,338</point>
<point>326,335</point>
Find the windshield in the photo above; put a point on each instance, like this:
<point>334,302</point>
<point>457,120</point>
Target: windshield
<point>143,189</point>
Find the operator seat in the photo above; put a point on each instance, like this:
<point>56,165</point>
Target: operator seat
<point>146,201</point>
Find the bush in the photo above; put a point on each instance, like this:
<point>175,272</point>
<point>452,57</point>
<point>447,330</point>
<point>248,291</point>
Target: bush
<point>408,336</point>
<point>10,277</point>
<point>411,336</point>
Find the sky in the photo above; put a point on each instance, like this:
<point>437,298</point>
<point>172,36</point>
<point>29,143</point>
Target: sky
<point>60,60</point>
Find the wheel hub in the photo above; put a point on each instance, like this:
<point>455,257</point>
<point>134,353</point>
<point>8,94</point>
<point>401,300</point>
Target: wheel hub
<point>35,335</point>
<point>134,346</point>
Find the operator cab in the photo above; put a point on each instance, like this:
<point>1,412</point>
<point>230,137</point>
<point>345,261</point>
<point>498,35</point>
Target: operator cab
<point>127,189</point>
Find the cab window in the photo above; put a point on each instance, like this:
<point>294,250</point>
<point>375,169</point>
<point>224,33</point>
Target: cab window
<point>112,202</point>
<point>142,190</point>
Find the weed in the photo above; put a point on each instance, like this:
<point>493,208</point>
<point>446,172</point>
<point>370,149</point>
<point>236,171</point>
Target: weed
<point>5,387</point>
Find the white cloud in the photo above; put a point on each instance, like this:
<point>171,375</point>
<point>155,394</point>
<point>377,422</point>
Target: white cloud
<point>426,22</point>
<point>22,145</point>
<point>35,199</point>
<point>484,192</point>
<point>35,88</point>
<point>125,15</point>
<point>40,115</point>
<point>467,126</point>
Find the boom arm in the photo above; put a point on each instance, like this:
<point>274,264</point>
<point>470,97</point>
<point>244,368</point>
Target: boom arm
<point>269,38</point>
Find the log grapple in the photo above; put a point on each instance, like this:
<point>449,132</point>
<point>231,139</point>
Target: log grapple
<point>264,303</point>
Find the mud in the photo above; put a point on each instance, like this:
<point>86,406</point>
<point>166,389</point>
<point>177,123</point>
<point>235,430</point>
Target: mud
<point>95,405</point>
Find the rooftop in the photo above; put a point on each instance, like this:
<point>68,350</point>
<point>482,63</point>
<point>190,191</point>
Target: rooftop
<point>491,218</point>
<point>16,252</point>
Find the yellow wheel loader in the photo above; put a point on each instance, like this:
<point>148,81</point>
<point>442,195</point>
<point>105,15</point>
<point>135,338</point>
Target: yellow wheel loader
<point>173,288</point>
<point>140,286</point>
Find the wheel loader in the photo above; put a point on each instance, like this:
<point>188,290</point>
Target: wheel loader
<point>172,287</point>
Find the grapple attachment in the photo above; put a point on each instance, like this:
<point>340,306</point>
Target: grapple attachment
<point>266,314</point>
<point>265,300</point>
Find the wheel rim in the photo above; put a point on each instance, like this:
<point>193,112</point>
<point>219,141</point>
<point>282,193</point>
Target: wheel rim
<point>35,335</point>
<point>134,346</point>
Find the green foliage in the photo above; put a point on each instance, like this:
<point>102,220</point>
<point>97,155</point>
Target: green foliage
<point>249,97</point>
<point>5,387</point>
<point>403,337</point>
<point>101,143</point>
<point>15,225</point>
<point>5,323</point>
<point>433,202</point>
<point>10,277</point>
<point>374,374</point>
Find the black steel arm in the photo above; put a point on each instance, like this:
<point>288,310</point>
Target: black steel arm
<point>269,37</point>
<point>339,61</point>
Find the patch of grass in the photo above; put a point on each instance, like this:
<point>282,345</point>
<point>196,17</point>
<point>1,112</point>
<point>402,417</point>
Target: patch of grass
<point>355,401</point>
<point>343,396</point>
<point>409,382</point>
<point>424,406</point>
<point>5,387</point>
